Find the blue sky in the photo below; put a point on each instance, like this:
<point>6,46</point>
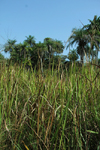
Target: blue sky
<point>44,18</point>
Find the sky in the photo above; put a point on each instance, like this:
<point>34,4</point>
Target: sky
<point>44,18</point>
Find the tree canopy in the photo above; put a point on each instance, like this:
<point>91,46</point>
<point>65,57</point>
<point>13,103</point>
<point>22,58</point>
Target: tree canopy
<point>42,53</point>
<point>86,39</point>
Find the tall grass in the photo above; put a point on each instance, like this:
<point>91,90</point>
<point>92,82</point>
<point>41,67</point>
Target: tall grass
<point>60,110</point>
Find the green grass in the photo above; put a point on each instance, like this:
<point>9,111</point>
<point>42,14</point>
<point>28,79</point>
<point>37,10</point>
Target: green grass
<point>59,111</point>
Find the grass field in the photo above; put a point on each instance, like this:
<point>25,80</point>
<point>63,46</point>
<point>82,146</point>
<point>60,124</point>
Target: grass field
<point>59,111</point>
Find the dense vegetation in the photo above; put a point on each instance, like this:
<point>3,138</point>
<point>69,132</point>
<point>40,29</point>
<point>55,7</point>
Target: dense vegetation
<point>57,111</point>
<point>45,104</point>
<point>43,54</point>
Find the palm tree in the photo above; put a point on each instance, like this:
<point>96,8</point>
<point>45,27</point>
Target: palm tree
<point>93,35</point>
<point>9,46</point>
<point>72,55</point>
<point>16,55</point>
<point>24,49</point>
<point>78,37</point>
<point>53,46</point>
<point>31,44</point>
<point>41,49</point>
<point>58,47</point>
<point>49,43</point>
<point>30,40</point>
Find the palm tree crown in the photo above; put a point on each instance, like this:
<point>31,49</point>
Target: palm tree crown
<point>78,37</point>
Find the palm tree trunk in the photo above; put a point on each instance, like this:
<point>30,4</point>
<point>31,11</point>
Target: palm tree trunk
<point>82,56</point>
<point>92,56</point>
<point>41,65</point>
<point>96,56</point>
<point>81,59</point>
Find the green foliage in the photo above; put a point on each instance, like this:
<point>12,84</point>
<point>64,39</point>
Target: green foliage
<point>1,57</point>
<point>35,53</point>
<point>30,40</point>
<point>93,35</point>
<point>54,111</point>
<point>72,55</point>
<point>9,46</point>
<point>78,38</point>
<point>98,61</point>
<point>54,46</point>
<point>87,38</point>
<point>2,60</point>
<point>41,54</point>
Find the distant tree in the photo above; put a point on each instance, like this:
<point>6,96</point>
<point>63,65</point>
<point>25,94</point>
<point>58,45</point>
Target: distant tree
<point>41,50</point>
<point>29,51</point>
<point>3,60</point>
<point>78,37</point>
<point>1,57</point>
<point>50,44</point>
<point>15,56</point>
<point>9,46</point>
<point>25,50</point>
<point>58,47</point>
<point>21,52</point>
<point>72,55</point>
<point>30,40</point>
<point>93,35</point>
<point>54,47</point>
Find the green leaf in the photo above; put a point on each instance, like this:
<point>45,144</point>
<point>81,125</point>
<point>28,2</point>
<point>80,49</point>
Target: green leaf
<point>92,132</point>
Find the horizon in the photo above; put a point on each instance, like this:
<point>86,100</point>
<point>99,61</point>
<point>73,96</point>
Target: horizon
<point>41,19</point>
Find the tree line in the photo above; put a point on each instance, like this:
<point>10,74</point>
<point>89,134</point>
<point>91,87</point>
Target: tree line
<point>46,53</point>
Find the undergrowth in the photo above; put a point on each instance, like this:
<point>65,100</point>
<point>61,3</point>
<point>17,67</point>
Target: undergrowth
<point>57,110</point>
